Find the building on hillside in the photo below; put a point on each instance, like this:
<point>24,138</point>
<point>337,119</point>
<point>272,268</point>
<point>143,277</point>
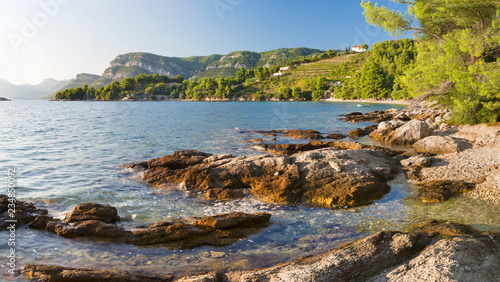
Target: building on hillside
<point>277,74</point>
<point>358,49</point>
<point>287,68</point>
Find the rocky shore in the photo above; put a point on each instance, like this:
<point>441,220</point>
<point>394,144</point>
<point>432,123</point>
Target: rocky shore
<point>432,251</point>
<point>443,161</point>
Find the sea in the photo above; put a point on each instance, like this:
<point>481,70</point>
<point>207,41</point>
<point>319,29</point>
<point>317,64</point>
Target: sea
<point>66,153</point>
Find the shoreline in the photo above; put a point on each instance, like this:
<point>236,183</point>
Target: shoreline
<point>370,101</point>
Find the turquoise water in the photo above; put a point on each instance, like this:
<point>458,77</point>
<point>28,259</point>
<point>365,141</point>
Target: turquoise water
<point>67,153</point>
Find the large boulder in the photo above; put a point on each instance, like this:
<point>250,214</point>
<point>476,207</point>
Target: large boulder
<point>417,161</point>
<point>395,133</point>
<point>303,134</point>
<point>92,211</point>
<point>308,176</point>
<point>344,178</point>
<point>436,145</point>
<point>409,133</point>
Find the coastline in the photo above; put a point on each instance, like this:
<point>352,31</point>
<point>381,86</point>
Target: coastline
<point>371,101</point>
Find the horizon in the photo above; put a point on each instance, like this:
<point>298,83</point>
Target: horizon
<point>58,39</point>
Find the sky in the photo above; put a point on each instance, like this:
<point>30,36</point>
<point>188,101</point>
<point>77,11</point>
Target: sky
<point>58,39</point>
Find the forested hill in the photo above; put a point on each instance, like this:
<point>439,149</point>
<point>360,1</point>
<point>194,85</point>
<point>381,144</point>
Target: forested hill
<point>133,64</point>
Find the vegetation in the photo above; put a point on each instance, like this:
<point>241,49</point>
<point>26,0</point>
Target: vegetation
<point>458,46</point>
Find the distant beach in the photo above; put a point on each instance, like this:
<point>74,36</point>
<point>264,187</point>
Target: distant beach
<point>372,101</point>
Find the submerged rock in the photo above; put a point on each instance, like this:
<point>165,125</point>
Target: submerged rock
<point>43,272</point>
<point>327,177</point>
<point>442,190</point>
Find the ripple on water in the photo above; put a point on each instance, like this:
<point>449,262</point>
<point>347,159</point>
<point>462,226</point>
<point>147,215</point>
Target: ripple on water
<point>69,153</point>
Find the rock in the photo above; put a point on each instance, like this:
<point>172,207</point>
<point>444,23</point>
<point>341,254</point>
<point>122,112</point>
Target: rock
<point>24,212</point>
<point>358,261</point>
<point>304,134</point>
<point>290,149</point>
<point>409,133</point>
<point>344,178</point>
<point>436,145</point>
<point>421,255</point>
<point>224,194</point>
<point>257,140</point>
<point>442,190</point>
<point>417,161</point>
<point>336,136</point>
<point>42,272</point>
<point>358,132</point>
<point>209,277</point>
<point>490,139</point>
<point>308,176</point>
<point>455,259</point>
<point>376,116</point>
<point>233,220</point>
<point>393,133</point>
<point>489,188</point>
<point>90,228</point>
<point>91,211</point>
<point>218,230</point>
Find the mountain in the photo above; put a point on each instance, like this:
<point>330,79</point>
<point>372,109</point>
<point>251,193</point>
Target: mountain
<point>133,64</point>
<point>28,91</point>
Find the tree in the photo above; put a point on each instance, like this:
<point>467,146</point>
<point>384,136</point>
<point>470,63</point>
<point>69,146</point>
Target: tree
<point>317,95</point>
<point>297,94</point>
<point>458,44</point>
<point>364,46</point>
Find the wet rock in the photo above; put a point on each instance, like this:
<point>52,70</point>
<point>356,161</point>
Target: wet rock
<point>489,188</point>
<point>233,220</point>
<point>257,140</point>
<point>304,134</point>
<point>216,230</point>
<point>42,272</point>
<point>442,190</point>
<point>209,277</point>
<point>375,116</point>
<point>417,161</point>
<point>357,133</point>
<point>92,211</point>
<point>436,145</point>
<point>328,177</point>
<point>24,212</point>
<point>224,194</point>
<point>336,136</point>
<point>436,228</point>
<point>290,149</point>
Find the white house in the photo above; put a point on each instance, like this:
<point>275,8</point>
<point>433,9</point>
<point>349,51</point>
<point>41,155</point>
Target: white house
<point>358,49</point>
<point>287,68</point>
<point>277,74</point>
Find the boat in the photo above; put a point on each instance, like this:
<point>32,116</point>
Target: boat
<point>359,105</point>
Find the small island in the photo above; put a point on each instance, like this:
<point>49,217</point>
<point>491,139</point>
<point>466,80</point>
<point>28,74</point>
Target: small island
<point>4,99</point>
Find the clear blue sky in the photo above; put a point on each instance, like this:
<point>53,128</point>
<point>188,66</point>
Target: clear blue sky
<point>61,38</point>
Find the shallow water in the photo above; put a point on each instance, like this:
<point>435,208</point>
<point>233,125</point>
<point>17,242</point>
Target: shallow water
<point>67,153</point>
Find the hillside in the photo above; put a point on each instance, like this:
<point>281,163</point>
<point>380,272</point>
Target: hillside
<point>195,67</point>
<point>28,91</point>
